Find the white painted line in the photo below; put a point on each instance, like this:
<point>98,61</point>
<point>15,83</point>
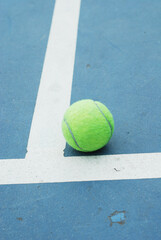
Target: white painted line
<point>51,169</point>
<point>44,161</point>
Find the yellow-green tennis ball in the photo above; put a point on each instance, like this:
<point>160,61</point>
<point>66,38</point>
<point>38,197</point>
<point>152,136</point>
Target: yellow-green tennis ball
<point>87,125</point>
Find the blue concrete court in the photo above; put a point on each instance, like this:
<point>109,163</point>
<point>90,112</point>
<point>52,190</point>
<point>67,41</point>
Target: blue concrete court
<point>81,210</point>
<point>24,31</point>
<point>118,62</point>
<point>119,50</point>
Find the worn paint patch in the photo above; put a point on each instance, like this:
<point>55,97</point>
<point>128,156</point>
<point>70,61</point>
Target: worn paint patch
<point>117,217</point>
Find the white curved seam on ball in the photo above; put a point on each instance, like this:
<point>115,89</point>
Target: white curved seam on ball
<point>104,117</point>
<point>72,134</point>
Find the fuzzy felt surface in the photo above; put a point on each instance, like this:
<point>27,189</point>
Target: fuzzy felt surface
<point>87,125</point>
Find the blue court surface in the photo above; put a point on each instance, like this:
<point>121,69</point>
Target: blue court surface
<point>53,53</point>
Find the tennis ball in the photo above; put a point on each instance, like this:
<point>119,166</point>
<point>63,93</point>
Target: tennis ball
<point>87,125</point>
